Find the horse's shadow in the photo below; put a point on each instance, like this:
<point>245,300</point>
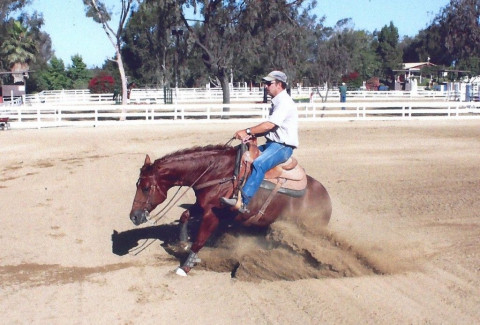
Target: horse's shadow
<point>129,241</point>
<point>124,242</point>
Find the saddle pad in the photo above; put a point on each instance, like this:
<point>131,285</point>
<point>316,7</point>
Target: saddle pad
<point>267,184</point>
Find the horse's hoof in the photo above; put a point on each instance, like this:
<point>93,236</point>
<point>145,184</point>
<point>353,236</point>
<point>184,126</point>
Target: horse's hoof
<point>179,248</point>
<point>185,245</point>
<point>180,271</point>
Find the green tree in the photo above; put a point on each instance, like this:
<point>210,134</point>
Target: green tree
<point>55,77</point>
<point>389,52</point>
<point>44,47</point>
<point>149,47</point>
<point>38,46</point>
<point>78,73</point>
<point>461,23</point>
<point>428,43</point>
<point>7,7</point>
<point>339,52</point>
<point>18,50</point>
<point>452,38</point>
<point>262,30</point>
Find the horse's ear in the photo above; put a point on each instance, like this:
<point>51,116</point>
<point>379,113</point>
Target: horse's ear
<point>147,160</point>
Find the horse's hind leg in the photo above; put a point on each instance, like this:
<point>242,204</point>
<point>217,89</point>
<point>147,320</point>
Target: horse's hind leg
<point>184,225</point>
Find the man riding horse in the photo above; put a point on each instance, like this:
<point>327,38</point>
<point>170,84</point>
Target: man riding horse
<point>281,132</point>
<point>208,171</point>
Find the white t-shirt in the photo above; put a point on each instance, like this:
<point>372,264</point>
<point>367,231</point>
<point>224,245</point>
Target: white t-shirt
<point>283,114</point>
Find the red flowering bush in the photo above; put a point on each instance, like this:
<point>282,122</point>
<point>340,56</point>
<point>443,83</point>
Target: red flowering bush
<point>353,80</point>
<point>101,84</point>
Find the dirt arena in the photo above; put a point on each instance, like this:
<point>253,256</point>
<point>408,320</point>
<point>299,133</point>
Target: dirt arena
<point>402,246</point>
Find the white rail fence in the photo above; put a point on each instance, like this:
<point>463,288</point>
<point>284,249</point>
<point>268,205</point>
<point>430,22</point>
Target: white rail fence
<point>202,95</point>
<point>45,115</point>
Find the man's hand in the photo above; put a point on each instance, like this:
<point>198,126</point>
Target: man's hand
<point>241,135</point>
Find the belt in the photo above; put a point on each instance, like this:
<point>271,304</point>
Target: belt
<point>286,145</point>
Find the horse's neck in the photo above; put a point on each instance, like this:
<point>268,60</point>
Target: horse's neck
<point>189,172</point>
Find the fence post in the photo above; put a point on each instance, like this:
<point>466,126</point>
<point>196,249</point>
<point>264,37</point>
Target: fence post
<point>38,117</point>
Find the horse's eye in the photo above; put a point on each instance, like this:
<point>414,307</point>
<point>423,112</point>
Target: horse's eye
<point>146,189</point>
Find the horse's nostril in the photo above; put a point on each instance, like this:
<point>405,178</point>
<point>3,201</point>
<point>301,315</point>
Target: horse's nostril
<point>133,218</point>
<point>139,216</point>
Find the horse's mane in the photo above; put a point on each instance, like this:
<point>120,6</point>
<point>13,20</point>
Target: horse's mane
<point>184,154</point>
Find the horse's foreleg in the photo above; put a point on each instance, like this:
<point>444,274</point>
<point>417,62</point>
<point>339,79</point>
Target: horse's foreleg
<point>207,227</point>
<point>185,218</point>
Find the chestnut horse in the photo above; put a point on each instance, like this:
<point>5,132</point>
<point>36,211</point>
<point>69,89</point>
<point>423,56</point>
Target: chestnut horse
<point>209,172</point>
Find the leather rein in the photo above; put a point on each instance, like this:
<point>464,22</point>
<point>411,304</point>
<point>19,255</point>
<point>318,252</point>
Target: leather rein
<point>193,186</point>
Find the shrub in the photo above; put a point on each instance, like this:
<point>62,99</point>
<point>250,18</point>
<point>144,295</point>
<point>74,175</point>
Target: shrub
<point>353,80</point>
<point>101,84</point>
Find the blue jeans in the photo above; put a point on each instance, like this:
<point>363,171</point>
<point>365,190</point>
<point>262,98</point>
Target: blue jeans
<point>273,153</point>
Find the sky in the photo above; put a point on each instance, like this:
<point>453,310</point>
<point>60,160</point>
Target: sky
<point>73,33</point>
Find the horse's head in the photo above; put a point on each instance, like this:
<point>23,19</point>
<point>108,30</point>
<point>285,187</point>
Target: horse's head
<point>150,193</point>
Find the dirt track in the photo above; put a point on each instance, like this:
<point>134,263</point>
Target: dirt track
<point>402,246</point>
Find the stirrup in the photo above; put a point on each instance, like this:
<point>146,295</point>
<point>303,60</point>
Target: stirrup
<point>235,204</point>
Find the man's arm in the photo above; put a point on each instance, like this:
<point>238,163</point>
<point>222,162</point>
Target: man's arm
<point>258,129</point>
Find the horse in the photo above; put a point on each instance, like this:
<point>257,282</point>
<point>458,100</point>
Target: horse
<point>209,171</point>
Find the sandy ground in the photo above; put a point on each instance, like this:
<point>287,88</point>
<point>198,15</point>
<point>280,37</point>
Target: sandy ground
<point>402,246</point>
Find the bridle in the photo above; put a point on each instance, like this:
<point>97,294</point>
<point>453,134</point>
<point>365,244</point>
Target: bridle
<point>169,205</point>
<point>165,209</point>
<point>155,187</point>
<point>151,192</point>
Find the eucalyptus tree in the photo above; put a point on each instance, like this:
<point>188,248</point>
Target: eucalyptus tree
<point>149,43</point>
<point>9,6</point>
<point>339,51</point>
<point>263,31</point>
<point>427,45</point>
<point>98,11</point>
<point>451,39</point>
<point>461,23</point>
<point>43,44</point>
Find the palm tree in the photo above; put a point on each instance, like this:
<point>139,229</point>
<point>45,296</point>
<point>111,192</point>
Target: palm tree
<point>18,50</point>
